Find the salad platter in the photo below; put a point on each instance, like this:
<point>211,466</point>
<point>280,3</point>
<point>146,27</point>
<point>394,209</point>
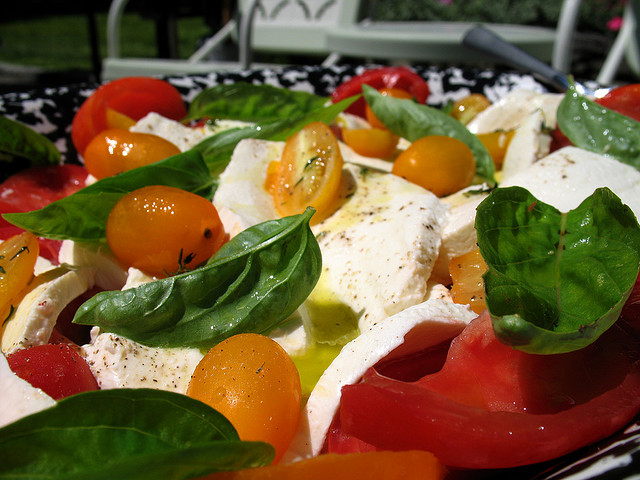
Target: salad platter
<point>614,455</point>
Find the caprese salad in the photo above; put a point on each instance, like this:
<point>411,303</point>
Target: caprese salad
<point>267,283</point>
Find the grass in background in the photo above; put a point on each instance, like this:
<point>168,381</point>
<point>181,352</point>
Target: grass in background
<point>62,42</point>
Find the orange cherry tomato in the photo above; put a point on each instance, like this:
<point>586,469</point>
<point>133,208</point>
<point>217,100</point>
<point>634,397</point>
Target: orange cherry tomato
<point>308,173</point>
<point>114,151</point>
<point>438,163</point>
<point>407,465</point>
<point>468,285</point>
<point>392,92</point>
<point>120,103</point>
<point>465,109</point>
<point>371,142</point>
<point>497,144</point>
<point>18,256</point>
<point>251,380</point>
<point>164,230</point>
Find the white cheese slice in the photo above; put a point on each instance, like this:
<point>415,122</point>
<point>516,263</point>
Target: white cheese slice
<point>413,329</point>
<point>350,156</point>
<point>529,144</point>
<point>109,273</point>
<point>35,316</point>
<point>180,135</point>
<point>569,175</point>
<point>19,398</point>
<point>512,110</point>
<point>118,362</point>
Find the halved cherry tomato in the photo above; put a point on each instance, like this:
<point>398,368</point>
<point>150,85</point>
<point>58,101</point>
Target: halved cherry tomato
<point>253,382</point>
<point>468,285</point>
<point>465,109</point>
<point>412,465</point>
<point>308,173</point>
<point>115,150</point>
<point>391,92</point>
<point>384,77</point>
<point>18,256</point>
<point>497,143</point>
<point>120,102</point>
<point>35,188</point>
<point>438,163</point>
<point>492,406</point>
<point>164,230</point>
<point>371,142</point>
<point>58,370</point>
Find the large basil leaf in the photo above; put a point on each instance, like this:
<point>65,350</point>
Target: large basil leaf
<point>556,281</point>
<point>412,120</point>
<point>252,284</point>
<point>134,434</point>
<point>252,103</point>
<point>82,216</point>
<point>22,147</point>
<point>598,129</point>
<point>218,148</point>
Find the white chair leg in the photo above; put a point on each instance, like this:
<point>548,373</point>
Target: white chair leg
<point>213,42</point>
<point>614,58</point>
<point>565,30</point>
<point>114,19</point>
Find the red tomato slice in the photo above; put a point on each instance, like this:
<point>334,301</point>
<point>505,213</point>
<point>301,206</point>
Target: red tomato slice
<point>133,97</point>
<point>491,406</point>
<point>401,78</point>
<point>58,370</point>
<point>35,188</point>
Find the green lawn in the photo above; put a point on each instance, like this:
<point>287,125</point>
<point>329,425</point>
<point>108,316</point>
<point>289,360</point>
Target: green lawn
<point>62,42</point>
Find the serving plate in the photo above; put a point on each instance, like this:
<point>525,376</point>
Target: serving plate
<point>50,111</point>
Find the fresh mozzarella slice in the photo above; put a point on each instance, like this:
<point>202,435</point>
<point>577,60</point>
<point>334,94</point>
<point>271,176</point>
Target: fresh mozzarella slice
<point>180,135</point>
<point>35,316</point>
<point>136,278</point>
<point>19,398</point>
<point>379,247</point>
<point>569,175</point>
<point>513,109</point>
<point>411,330</point>
<point>118,362</point>
<point>241,189</point>
<point>109,273</point>
<point>350,156</point>
<point>529,144</point>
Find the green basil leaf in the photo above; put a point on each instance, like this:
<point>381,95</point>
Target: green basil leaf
<point>136,434</point>
<point>252,103</point>
<point>412,120</point>
<point>252,284</point>
<point>82,216</point>
<point>556,281</point>
<point>17,140</point>
<point>218,148</point>
<point>598,129</point>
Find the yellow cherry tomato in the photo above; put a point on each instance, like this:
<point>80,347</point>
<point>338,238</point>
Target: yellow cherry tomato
<point>406,465</point>
<point>18,256</point>
<point>308,173</point>
<point>468,286</point>
<point>465,109</point>
<point>371,142</point>
<point>251,380</point>
<point>497,144</point>
<point>164,230</point>
<point>392,92</point>
<point>115,150</point>
<point>438,163</point>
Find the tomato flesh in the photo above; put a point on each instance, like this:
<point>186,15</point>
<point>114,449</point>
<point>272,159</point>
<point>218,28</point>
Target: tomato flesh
<point>132,97</point>
<point>491,406</point>
<point>58,370</point>
<point>401,78</point>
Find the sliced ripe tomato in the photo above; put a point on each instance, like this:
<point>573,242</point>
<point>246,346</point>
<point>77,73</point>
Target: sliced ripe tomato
<point>58,370</point>
<point>491,406</point>
<point>35,188</point>
<point>401,78</point>
<point>122,101</point>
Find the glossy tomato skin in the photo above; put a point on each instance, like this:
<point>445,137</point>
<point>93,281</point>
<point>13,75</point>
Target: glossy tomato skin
<point>494,407</point>
<point>400,77</point>
<point>58,370</point>
<point>133,97</point>
<point>35,188</point>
